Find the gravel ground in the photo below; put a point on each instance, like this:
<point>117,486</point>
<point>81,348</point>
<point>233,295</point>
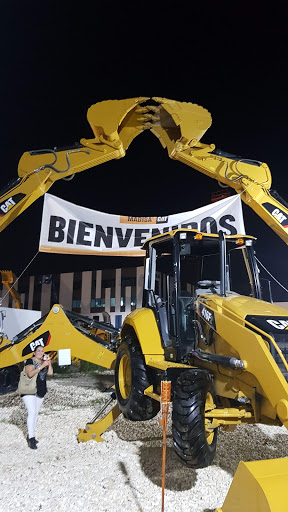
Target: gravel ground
<point>121,474</point>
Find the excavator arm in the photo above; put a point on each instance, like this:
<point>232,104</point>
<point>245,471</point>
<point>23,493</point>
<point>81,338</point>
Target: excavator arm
<point>61,329</point>
<point>115,123</point>
<point>180,126</point>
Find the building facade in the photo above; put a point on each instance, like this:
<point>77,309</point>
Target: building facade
<point>90,292</point>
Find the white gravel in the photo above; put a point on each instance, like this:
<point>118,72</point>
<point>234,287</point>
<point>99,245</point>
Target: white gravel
<point>119,475</point>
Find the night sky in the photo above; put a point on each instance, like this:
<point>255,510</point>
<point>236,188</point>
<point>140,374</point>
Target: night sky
<point>57,61</point>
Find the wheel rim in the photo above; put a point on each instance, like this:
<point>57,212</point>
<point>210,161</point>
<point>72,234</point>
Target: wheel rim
<point>209,431</point>
<point>124,376</point>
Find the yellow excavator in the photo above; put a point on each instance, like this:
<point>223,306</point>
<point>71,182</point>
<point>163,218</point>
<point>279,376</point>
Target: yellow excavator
<point>203,329</point>
<point>9,280</point>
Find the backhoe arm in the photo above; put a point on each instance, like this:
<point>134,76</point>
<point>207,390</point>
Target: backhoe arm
<point>115,123</point>
<point>61,329</point>
<point>180,126</point>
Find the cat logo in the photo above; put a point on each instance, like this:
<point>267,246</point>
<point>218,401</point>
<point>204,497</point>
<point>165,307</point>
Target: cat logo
<point>162,220</point>
<point>277,214</point>
<point>279,324</point>
<point>6,206</point>
<point>38,342</point>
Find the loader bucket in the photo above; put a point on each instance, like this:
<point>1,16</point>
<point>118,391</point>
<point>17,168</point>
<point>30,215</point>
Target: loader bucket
<point>259,486</point>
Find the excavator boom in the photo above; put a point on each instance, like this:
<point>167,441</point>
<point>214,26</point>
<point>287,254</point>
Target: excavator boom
<point>179,126</point>
<point>115,123</point>
<point>58,330</point>
<point>181,133</point>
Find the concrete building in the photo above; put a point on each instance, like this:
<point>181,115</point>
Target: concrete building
<point>90,293</point>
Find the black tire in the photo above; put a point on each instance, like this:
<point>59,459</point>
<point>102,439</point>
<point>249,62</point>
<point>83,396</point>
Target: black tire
<point>194,442</point>
<point>131,380</point>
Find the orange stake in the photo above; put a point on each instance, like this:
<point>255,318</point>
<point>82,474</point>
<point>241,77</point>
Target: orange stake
<point>165,401</point>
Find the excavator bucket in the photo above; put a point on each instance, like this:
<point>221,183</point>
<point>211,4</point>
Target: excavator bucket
<point>117,120</point>
<point>180,123</point>
<point>258,486</point>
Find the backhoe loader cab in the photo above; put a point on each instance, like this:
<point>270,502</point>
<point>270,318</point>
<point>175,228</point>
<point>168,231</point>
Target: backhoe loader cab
<point>183,265</point>
<point>204,327</point>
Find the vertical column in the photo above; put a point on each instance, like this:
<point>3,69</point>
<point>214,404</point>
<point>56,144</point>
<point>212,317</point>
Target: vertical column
<point>66,290</point>
<point>98,284</point>
<point>118,291</point>
<point>86,292</point>
<point>22,298</point>
<point>107,299</point>
<point>128,300</point>
<point>139,286</point>
<point>45,298</point>
<point>31,292</point>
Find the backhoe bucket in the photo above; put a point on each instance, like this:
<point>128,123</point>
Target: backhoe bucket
<point>259,486</point>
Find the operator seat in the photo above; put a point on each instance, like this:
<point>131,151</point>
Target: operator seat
<point>208,287</point>
<point>186,301</point>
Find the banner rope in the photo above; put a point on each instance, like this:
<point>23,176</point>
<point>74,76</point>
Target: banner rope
<point>269,273</point>
<point>276,281</point>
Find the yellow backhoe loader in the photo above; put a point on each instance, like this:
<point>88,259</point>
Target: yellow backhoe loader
<point>203,325</point>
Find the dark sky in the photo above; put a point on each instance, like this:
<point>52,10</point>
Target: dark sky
<point>57,61</point>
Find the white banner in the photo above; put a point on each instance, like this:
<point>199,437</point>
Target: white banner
<point>71,229</point>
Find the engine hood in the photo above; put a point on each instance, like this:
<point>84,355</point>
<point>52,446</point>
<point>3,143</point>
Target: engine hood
<point>253,314</point>
<point>243,306</point>
<point>266,316</point>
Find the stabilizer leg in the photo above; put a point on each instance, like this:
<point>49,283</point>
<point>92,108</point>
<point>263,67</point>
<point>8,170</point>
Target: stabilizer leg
<point>94,429</point>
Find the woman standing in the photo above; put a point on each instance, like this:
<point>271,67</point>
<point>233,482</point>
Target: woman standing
<point>36,366</point>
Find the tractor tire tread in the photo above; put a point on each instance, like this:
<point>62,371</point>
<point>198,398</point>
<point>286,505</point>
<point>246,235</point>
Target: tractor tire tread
<point>188,425</point>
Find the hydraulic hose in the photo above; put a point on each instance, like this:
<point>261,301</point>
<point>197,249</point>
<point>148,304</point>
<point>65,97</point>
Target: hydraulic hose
<point>230,362</point>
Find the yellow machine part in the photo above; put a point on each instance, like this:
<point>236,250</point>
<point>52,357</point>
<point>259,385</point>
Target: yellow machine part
<point>93,430</point>
<point>61,335</point>
<point>250,347</point>
<point>9,280</point>
<point>144,324</point>
<point>258,486</point>
<point>179,126</point>
<point>117,121</point>
<point>180,122</point>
